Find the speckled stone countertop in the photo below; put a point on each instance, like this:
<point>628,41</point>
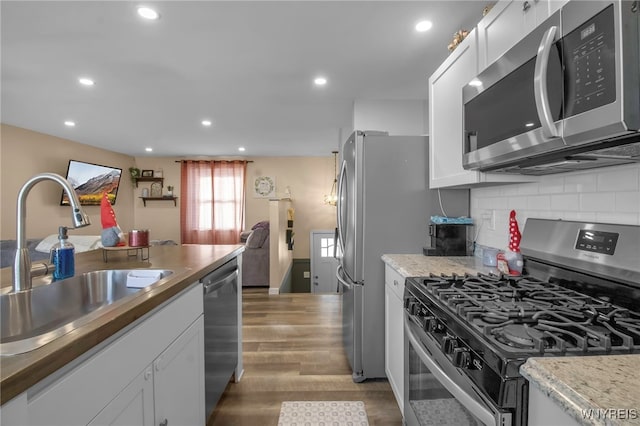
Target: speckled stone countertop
<point>416,265</point>
<point>580,384</point>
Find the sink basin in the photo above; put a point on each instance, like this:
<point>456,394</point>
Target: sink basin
<point>33,318</point>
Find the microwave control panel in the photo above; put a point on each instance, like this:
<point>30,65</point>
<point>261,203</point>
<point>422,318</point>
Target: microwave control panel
<point>597,241</point>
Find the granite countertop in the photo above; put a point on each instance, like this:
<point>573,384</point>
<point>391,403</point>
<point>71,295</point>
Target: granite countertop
<point>607,385</point>
<point>416,265</point>
<point>190,263</point>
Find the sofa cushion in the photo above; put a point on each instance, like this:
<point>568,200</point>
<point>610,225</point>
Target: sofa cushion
<point>261,225</point>
<point>257,238</point>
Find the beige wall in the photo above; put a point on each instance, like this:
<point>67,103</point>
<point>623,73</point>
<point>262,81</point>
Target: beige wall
<point>25,153</point>
<point>309,179</point>
<point>161,218</point>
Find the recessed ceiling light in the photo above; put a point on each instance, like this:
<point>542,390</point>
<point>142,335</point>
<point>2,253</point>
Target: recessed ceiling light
<point>241,149</point>
<point>148,149</point>
<point>86,81</point>
<point>529,125</point>
<point>69,123</point>
<point>475,82</point>
<point>206,123</point>
<point>320,81</point>
<point>148,13</point>
<point>423,26</point>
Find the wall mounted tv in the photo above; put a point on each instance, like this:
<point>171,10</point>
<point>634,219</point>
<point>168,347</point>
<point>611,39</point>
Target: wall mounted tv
<point>90,181</point>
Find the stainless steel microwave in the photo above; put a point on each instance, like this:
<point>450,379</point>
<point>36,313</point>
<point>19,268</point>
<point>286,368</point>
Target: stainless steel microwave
<point>566,97</point>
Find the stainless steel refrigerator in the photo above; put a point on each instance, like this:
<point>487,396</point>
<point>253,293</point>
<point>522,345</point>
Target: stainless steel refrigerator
<point>384,206</point>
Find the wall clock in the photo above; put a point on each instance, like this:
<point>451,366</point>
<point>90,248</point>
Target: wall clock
<point>264,187</point>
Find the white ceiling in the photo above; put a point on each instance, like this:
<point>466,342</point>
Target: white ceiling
<point>246,65</point>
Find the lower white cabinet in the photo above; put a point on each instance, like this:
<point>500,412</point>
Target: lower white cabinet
<point>150,373</point>
<point>169,391</point>
<point>394,332</point>
<point>543,411</point>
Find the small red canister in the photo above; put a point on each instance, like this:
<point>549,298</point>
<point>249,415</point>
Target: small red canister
<point>139,238</point>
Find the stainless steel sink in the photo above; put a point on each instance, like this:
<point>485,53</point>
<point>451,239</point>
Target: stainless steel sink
<point>33,318</point>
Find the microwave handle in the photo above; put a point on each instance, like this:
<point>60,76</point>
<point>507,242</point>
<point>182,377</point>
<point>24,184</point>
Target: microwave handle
<point>540,84</point>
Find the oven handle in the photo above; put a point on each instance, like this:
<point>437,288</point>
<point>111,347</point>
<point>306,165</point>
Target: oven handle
<point>540,84</point>
<point>482,413</point>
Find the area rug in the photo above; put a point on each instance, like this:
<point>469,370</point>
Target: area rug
<point>323,413</point>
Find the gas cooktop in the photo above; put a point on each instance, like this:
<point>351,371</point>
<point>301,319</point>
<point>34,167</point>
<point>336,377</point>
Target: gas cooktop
<point>528,316</point>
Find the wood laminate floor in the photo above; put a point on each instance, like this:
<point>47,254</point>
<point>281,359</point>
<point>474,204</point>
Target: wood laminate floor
<point>293,351</point>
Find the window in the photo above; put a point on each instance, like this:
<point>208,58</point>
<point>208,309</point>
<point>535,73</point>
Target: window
<point>212,202</point>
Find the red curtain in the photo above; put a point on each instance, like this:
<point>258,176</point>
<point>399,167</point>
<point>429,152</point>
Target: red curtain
<point>212,201</point>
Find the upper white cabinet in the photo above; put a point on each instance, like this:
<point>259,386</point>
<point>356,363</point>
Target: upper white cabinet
<point>445,116</point>
<point>508,22</point>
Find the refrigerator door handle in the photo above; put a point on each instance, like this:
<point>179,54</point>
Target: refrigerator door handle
<point>341,206</point>
<point>344,282</point>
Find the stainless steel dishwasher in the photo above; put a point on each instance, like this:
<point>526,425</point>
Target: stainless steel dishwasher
<point>220,330</point>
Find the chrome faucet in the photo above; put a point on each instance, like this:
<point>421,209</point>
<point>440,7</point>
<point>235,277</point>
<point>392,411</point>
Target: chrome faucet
<point>22,262</point>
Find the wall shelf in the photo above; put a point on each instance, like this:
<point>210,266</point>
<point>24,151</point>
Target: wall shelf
<point>145,199</point>
<point>149,179</point>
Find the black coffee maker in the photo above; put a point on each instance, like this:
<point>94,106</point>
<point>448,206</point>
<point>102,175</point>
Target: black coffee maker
<point>449,239</point>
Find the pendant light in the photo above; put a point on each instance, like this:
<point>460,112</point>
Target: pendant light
<point>332,198</point>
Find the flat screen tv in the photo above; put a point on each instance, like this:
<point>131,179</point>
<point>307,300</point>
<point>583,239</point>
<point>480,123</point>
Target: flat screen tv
<point>90,181</point>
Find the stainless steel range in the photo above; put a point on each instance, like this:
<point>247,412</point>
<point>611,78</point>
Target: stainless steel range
<point>467,336</point>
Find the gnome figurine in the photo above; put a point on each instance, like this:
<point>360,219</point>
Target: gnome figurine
<point>112,235</point>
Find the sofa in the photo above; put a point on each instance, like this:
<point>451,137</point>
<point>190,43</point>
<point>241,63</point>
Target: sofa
<point>255,258</point>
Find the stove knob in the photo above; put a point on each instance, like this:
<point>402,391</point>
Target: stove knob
<point>427,323</point>
<point>449,344</point>
<point>431,324</point>
<point>461,357</point>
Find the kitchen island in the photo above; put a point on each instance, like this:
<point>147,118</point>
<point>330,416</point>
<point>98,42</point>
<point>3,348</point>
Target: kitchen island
<point>25,373</point>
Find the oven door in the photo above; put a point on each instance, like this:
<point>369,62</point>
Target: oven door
<point>438,393</point>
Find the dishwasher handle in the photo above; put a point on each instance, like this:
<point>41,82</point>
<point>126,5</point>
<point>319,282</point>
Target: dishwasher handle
<point>216,285</point>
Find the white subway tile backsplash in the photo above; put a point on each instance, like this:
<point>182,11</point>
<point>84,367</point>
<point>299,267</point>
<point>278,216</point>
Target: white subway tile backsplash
<point>568,202</point>
<point>539,202</point>
<point>625,179</point>
<point>597,202</point>
<point>580,182</point>
<point>627,202</point>
<point>622,218</point>
<point>553,185</point>
<point>609,195</point>
<point>517,203</point>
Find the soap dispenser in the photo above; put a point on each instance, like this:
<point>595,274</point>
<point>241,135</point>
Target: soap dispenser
<point>62,256</point>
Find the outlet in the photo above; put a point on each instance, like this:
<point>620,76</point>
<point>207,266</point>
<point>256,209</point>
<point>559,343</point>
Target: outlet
<point>489,216</point>
<point>306,274</point>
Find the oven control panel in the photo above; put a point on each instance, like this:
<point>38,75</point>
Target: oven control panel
<point>597,241</point>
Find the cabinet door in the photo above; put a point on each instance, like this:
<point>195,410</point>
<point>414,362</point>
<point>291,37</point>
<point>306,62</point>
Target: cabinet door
<point>394,343</point>
<point>445,116</point>
<point>179,379</point>
<point>506,24</point>
<point>132,406</point>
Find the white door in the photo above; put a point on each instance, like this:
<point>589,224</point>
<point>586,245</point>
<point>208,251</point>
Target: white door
<point>323,262</point>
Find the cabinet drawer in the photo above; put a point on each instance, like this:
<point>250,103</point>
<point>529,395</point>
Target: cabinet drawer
<point>394,280</point>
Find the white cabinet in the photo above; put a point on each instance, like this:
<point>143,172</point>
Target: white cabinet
<point>394,332</point>
<point>543,411</point>
<point>445,116</point>
<point>132,406</point>
<point>446,125</point>
<point>151,371</point>
<point>178,375</point>
<point>508,22</point>
<point>171,388</point>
